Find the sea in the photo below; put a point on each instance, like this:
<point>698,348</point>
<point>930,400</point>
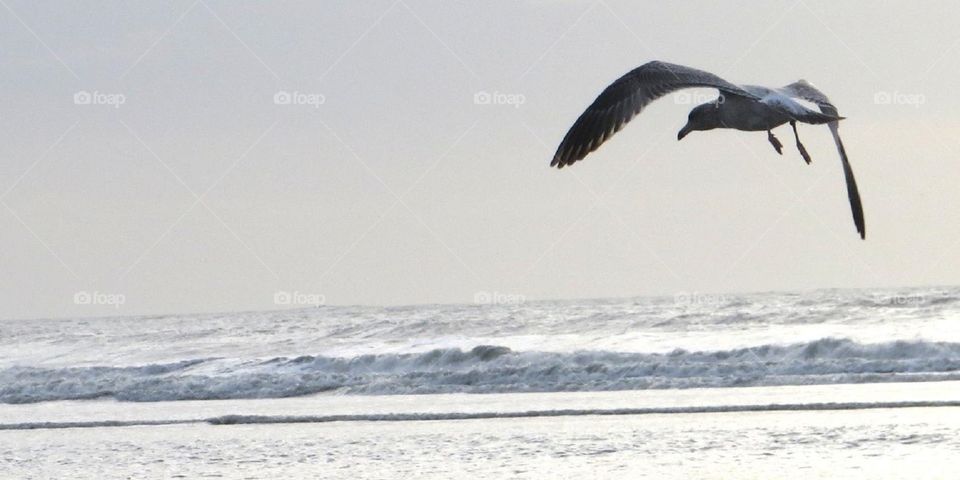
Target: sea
<point>815,384</point>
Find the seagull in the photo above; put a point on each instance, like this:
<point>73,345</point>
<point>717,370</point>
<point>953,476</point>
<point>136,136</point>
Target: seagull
<point>742,107</point>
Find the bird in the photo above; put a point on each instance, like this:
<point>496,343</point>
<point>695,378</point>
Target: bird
<point>742,107</point>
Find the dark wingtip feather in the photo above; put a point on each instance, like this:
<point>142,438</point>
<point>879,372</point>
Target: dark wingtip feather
<point>853,193</point>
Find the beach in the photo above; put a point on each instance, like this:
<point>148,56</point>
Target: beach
<point>901,442</point>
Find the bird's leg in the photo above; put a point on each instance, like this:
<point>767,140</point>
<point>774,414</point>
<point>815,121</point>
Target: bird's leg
<point>776,143</point>
<point>803,151</point>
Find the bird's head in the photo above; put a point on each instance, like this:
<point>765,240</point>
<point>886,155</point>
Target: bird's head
<point>702,117</point>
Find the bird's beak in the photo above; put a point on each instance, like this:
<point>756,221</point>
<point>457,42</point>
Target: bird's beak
<point>684,131</point>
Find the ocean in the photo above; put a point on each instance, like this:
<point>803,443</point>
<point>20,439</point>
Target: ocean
<point>815,384</point>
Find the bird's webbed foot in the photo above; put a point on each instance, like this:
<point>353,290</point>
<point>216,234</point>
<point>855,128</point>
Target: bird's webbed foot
<point>803,151</point>
<point>776,143</point>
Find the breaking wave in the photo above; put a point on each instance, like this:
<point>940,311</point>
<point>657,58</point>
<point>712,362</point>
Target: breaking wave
<point>489,369</point>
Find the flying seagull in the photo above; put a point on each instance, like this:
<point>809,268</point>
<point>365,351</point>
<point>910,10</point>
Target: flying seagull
<point>742,107</point>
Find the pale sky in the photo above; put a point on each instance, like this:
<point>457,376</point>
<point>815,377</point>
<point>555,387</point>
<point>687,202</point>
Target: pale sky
<point>180,185</point>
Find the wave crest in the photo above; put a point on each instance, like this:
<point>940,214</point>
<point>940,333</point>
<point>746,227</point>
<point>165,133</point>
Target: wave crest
<point>490,369</point>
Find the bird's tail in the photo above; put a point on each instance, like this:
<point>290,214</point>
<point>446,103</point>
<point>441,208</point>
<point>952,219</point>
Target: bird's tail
<point>819,118</point>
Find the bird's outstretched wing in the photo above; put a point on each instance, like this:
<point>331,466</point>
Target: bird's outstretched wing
<point>625,98</point>
<point>785,103</point>
<point>805,91</point>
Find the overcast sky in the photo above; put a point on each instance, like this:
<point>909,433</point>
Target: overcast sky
<point>203,155</point>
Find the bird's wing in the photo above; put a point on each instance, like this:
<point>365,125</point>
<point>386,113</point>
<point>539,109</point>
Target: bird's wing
<point>795,110</point>
<point>805,91</point>
<point>625,98</point>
